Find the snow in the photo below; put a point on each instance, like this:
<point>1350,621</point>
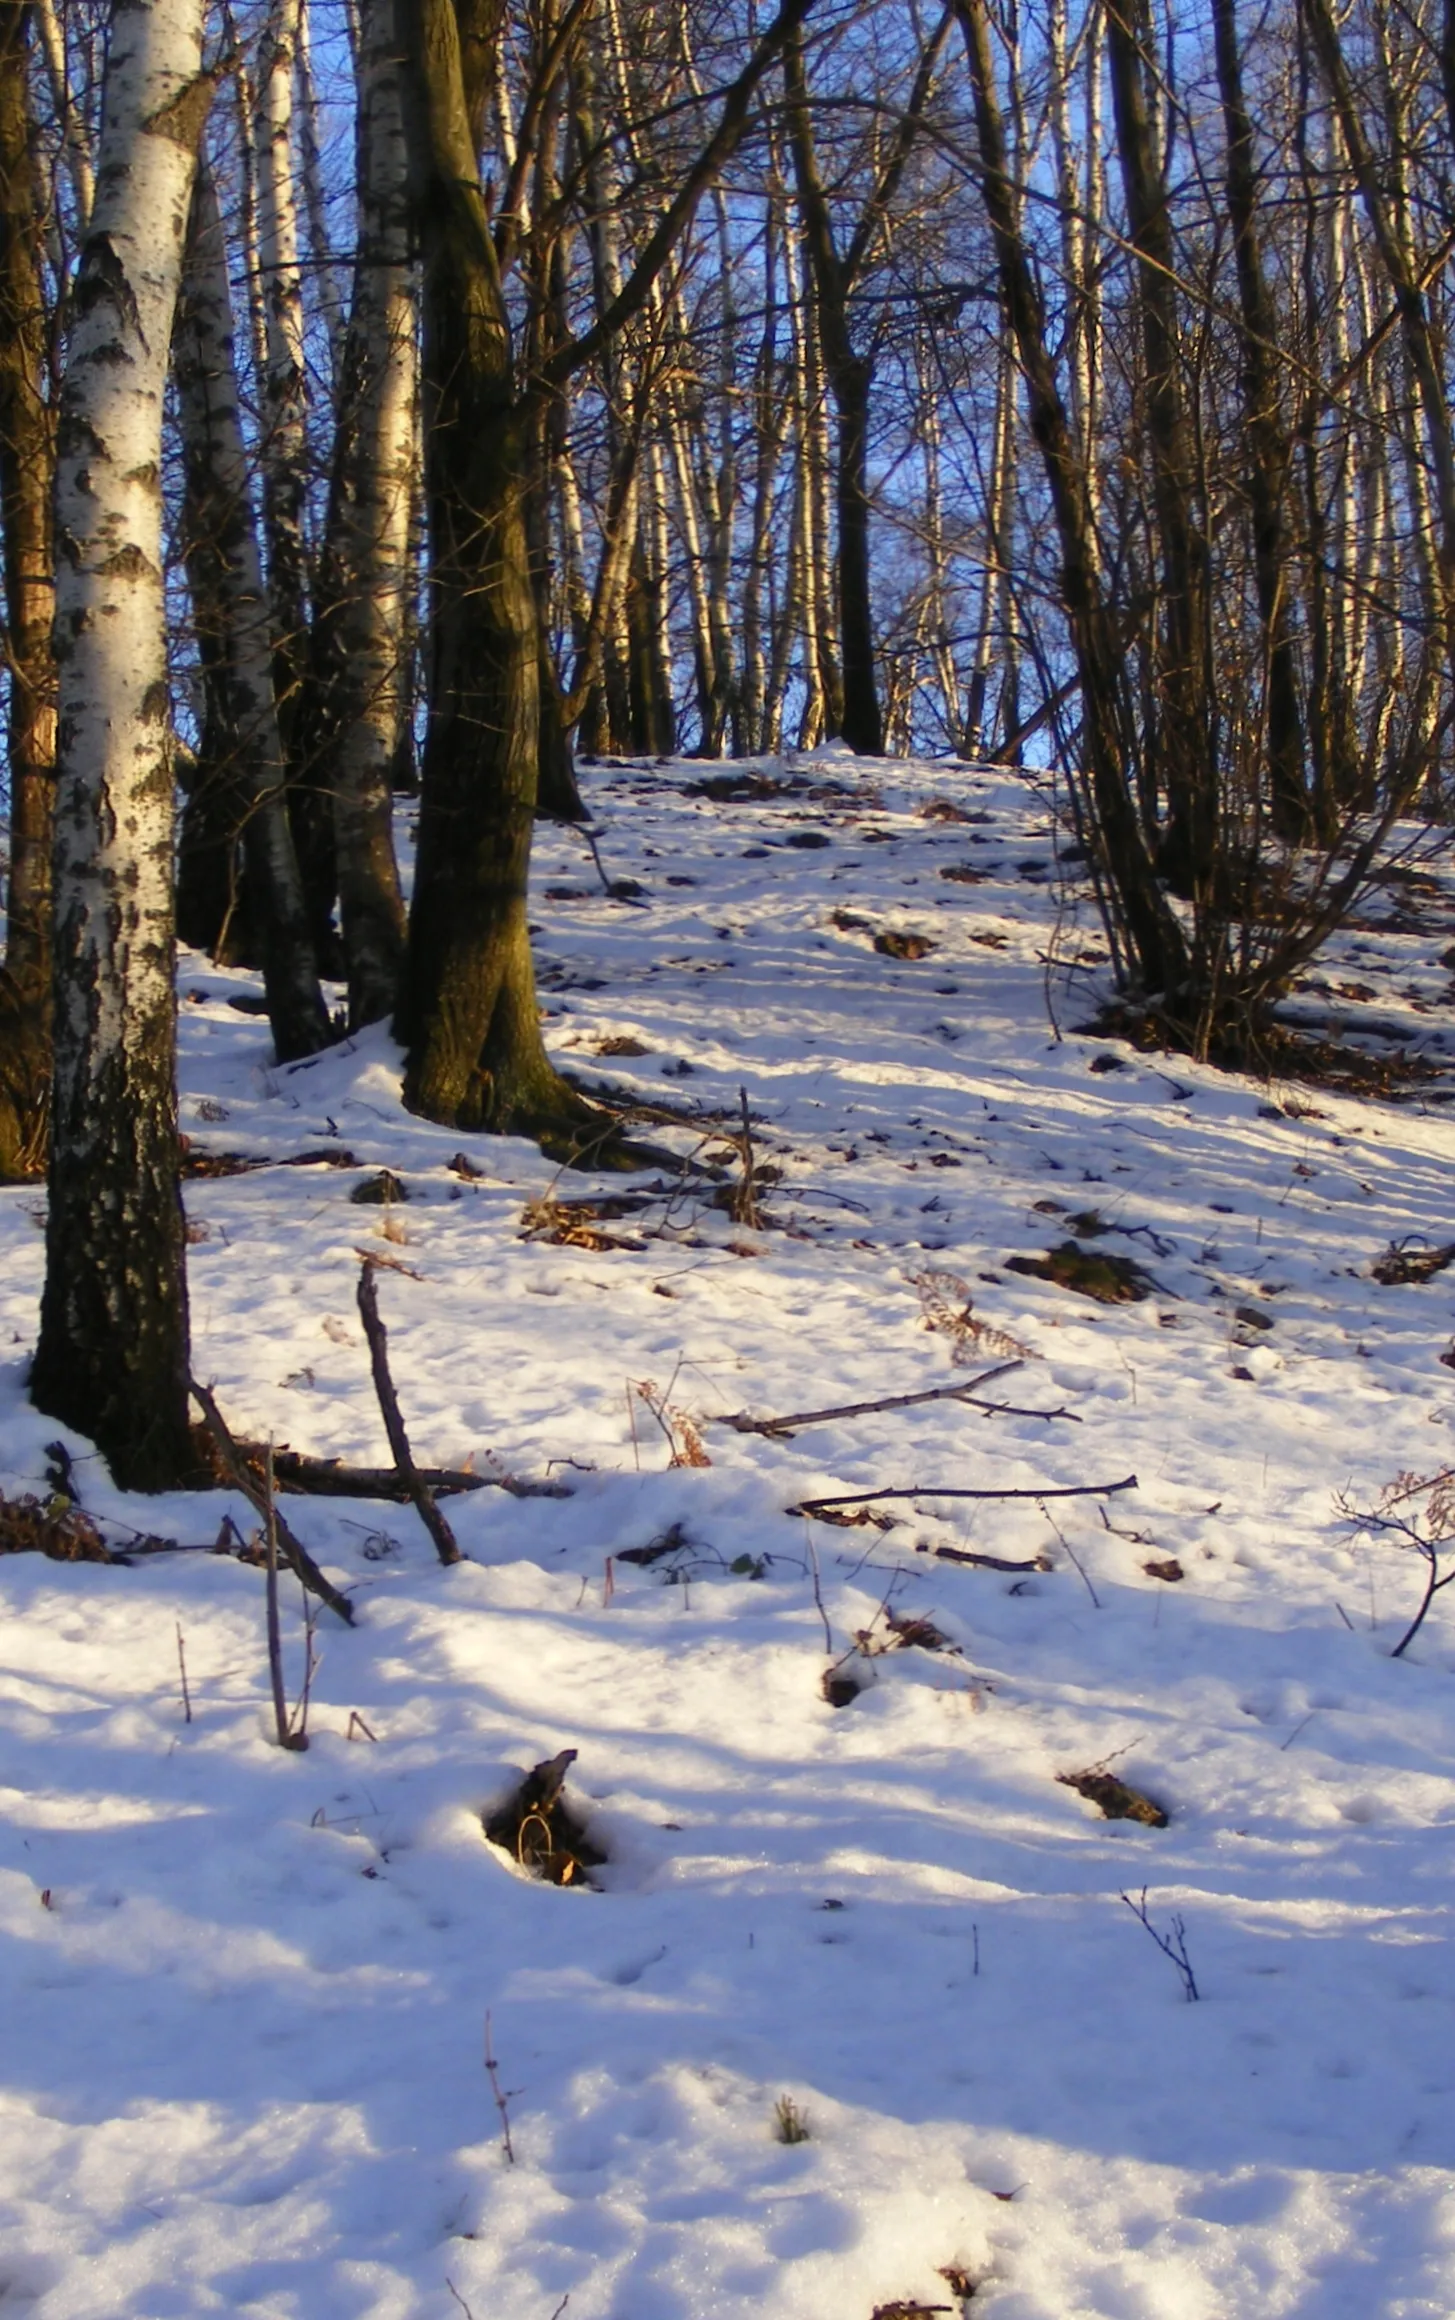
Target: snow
<point>244,1992</point>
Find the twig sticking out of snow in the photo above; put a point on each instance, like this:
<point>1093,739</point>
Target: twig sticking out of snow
<point>232,1458</point>
<point>446,1544</point>
<point>1173,1945</point>
<point>502,2099</point>
<point>1429,1530</point>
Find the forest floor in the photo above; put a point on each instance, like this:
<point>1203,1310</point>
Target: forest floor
<point>244,1992</point>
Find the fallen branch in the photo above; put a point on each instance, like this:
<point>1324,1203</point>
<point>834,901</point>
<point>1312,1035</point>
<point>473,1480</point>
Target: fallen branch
<point>989,1562</point>
<point>782,1427</point>
<point>939,1490</point>
<point>236,1467</point>
<point>446,1545</point>
<point>328,1478</point>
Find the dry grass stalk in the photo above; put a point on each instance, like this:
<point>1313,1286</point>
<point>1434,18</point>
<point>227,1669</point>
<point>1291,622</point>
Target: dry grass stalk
<point>683,1437</point>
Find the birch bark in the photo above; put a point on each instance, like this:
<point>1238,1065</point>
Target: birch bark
<point>285,454</point>
<point>362,639</point>
<point>112,1358</point>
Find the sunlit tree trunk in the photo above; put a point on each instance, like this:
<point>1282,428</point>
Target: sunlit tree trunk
<point>74,139</point>
<point>284,419</point>
<point>1389,229</point>
<point>1266,444</point>
<point>112,1357</point>
<point>468,1014</point>
<point>357,701</point>
<point>329,302</point>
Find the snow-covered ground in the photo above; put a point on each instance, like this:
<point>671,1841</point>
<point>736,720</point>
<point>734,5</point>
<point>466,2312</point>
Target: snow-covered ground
<point>243,1992</point>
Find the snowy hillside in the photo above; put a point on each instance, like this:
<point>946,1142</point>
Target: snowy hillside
<point>244,1992</point>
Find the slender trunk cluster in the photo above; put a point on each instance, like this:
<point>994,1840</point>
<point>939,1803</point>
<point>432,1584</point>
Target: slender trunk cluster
<point>245,776</point>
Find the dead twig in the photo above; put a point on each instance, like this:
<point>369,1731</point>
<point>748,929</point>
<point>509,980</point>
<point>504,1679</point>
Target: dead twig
<point>1075,1558</point>
<point>1429,1530</point>
<point>828,1633</point>
<point>1173,1945</point>
<point>990,1562</point>
<point>236,1466</point>
<point>502,2099</point>
<point>940,1490</point>
<point>446,1544</point>
<point>182,1665</point>
<point>742,1424</point>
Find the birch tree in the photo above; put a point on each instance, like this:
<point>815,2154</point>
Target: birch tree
<point>27,460</point>
<point>112,1358</point>
<point>358,695</point>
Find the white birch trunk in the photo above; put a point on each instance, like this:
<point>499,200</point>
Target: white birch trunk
<point>370,533</point>
<point>327,291</point>
<point>74,139</point>
<point>802,607</point>
<point>284,414</point>
<point>112,1358</point>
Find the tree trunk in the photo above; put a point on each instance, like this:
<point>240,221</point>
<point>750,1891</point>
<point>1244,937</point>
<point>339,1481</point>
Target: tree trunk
<point>285,461</point>
<point>1267,445</point>
<point>27,468</point>
<point>357,701</point>
<point>1422,348</point>
<point>330,304</point>
<point>1158,951</point>
<point>230,605</point>
<point>68,118</point>
<point>468,1016</point>
<point>1184,698</point>
<point>850,376</point>
<point>112,1358</point>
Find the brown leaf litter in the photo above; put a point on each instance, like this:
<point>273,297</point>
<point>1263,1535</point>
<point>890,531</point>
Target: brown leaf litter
<point>1118,1800</point>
